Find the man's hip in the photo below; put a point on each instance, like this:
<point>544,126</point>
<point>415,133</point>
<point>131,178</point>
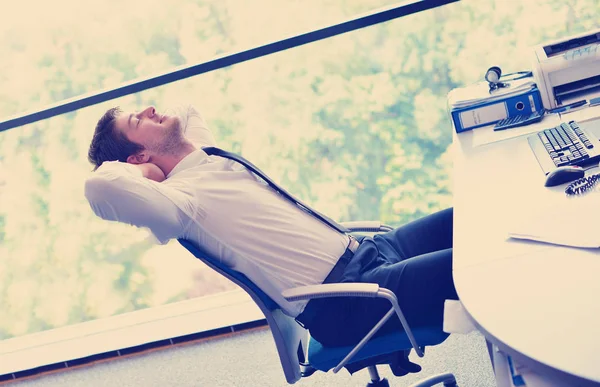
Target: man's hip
<point>310,312</point>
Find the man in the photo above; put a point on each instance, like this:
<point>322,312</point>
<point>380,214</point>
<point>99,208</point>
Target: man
<point>151,172</point>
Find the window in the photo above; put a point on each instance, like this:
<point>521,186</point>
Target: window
<point>355,125</point>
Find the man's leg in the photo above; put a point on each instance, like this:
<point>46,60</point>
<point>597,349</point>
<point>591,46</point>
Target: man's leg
<point>421,283</point>
<point>415,262</point>
<point>421,236</point>
<point>420,269</point>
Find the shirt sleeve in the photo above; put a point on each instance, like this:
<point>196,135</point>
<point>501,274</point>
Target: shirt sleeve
<point>196,130</point>
<point>119,192</point>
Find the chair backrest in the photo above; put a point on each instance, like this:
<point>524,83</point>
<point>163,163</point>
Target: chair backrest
<point>287,333</point>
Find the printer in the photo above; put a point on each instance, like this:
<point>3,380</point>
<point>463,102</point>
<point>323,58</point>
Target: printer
<point>568,69</point>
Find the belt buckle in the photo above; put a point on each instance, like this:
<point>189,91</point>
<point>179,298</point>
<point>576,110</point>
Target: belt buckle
<point>353,244</point>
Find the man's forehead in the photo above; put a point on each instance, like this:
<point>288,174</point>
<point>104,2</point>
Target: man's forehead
<point>123,121</point>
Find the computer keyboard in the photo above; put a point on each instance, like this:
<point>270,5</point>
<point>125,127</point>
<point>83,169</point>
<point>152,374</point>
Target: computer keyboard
<point>564,144</point>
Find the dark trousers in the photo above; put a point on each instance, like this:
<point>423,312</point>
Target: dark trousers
<point>414,261</point>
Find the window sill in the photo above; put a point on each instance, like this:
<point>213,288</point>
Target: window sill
<point>166,323</point>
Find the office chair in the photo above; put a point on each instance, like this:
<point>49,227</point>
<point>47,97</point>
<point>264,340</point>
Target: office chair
<point>301,355</point>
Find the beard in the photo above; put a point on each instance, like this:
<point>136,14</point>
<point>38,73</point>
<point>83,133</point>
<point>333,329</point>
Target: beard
<point>171,142</point>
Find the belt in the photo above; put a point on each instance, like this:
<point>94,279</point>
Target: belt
<point>335,275</point>
<point>353,244</point>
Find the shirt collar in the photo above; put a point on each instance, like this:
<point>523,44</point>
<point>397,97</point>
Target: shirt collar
<point>191,160</point>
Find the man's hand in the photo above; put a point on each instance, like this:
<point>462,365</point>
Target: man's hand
<point>152,171</point>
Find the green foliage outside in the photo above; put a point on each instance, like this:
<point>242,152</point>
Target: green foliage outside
<point>355,125</point>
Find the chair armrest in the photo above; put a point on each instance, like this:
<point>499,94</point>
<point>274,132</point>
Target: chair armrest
<point>348,289</point>
<point>355,289</point>
<point>366,226</point>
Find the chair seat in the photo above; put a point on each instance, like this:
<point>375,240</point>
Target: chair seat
<point>325,358</point>
<point>288,334</point>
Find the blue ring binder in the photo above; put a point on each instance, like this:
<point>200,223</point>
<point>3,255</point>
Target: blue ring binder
<point>488,112</point>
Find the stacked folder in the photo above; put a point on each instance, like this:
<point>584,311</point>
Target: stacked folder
<point>475,106</point>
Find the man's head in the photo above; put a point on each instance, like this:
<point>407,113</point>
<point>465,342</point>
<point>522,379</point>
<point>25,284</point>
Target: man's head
<point>135,137</point>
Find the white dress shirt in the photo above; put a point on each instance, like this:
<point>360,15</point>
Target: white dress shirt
<point>221,206</point>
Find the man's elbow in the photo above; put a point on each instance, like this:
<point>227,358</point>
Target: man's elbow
<point>100,192</point>
<point>96,188</point>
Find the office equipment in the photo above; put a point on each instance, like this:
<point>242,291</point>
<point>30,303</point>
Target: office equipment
<point>473,106</point>
<point>520,120</point>
<point>494,77</point>
<point>567,68</point>
<point>569,107</point>
<point>564,174</point>
<point>566,144</point>
<point>536,302</point>
<point>594,101</point>
<point>300,355</point>
<point>582,185</point>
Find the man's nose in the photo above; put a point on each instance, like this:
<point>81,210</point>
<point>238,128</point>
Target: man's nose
<point>149,112</point>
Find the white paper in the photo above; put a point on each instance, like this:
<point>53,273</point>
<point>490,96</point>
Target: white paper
<point>586,114</point>
<point>486,134</point>
<point>560,224</point>
<point>456,319</point>
<point>480,93</point>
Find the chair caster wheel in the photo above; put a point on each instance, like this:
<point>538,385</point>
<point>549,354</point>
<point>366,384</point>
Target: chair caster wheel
<point>380,383</point>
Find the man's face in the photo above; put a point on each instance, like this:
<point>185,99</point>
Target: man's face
<point>157,133</point>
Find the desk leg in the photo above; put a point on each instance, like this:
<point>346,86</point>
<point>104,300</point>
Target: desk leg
<point>501,368</point>
<point>490,349</point>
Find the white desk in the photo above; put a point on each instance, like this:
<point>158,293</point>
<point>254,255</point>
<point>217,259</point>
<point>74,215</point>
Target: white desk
<point>537,302</point>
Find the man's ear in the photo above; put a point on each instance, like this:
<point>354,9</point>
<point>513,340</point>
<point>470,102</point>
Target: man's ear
<point>138,158</point>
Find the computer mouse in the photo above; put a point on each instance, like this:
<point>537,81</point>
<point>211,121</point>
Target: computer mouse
<point>564,174</point>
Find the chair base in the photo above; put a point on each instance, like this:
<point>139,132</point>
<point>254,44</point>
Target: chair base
<point>379,383</point>
<point>376,380</point>
<point>447,378</point>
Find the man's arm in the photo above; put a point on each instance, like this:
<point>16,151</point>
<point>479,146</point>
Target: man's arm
<point>124,192</point>
<point>151,171</point>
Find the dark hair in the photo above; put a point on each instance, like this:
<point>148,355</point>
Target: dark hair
<point>110,144</point>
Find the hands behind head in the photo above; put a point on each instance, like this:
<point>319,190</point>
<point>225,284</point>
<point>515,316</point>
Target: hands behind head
<point>152,171</point>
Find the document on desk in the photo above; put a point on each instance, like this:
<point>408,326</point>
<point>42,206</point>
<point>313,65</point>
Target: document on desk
<point>487,135</point>
<point>575,222</point>
<point>582,115</point>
